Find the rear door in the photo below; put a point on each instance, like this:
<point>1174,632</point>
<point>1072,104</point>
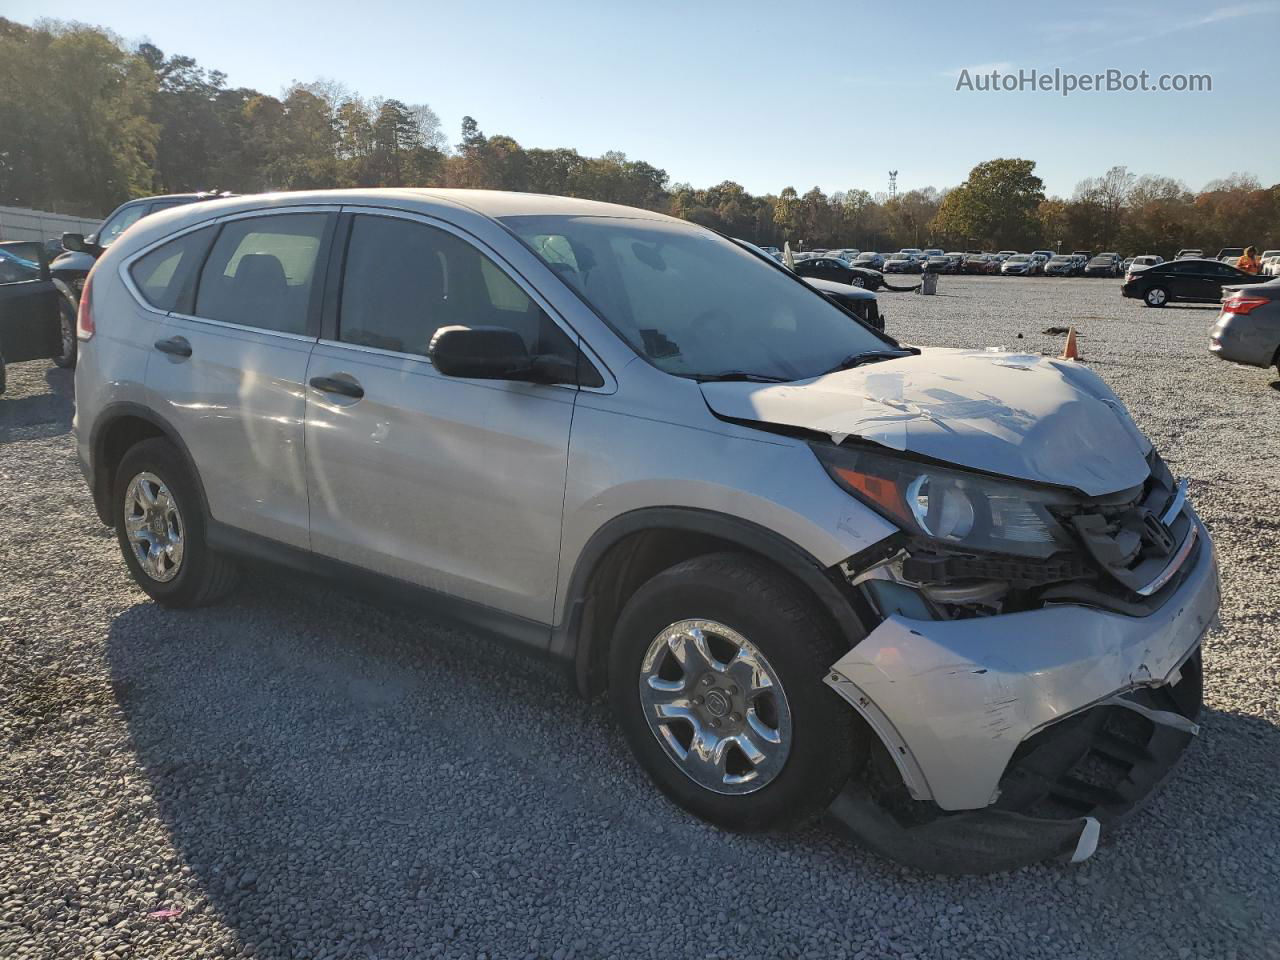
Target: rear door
<point>29,323</point>
<point>231,360</point>
<point>452,484</point>
<point>1181,279</point>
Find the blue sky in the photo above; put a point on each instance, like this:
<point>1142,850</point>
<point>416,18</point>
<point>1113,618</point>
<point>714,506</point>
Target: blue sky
<point>769,94</point>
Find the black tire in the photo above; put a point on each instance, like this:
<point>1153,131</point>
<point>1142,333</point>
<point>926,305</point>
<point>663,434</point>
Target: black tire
<point>203,576</point>
<point>67,322</point>
<point>785,625</point>
<point>858,282</point>
<point>1156,296</point>
<point>2,375</point>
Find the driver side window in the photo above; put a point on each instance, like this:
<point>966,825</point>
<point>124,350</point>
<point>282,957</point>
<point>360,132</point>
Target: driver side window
<point>403,280</point>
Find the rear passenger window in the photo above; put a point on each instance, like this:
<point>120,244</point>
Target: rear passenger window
<point>260,270</point>
<point>404,280</point>
<point>166,276</point>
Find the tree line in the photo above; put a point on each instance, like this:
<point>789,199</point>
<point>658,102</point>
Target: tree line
<point>87,122</point>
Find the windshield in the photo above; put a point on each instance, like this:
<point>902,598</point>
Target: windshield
<point>693,303</point>
<point>1020,258</point>
<point>1062,258</point>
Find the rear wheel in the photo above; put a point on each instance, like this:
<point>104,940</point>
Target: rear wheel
<point>160,525</point>
<point>1156,297</point>
<point>715,677</point>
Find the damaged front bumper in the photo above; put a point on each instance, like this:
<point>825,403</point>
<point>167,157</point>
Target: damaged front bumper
<point>955,702</point>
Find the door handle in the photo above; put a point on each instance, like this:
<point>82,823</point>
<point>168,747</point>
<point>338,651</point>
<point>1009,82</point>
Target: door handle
<point>348,388</point>
<point>175,346</point>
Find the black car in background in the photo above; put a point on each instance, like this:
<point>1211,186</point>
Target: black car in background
<point>30,306</point>
<point>1194,280</point>
<point>855,297</point>
<point>69,270</point>
<point>1104,265</point>
<point>858,301</point>
<point>832,268</point>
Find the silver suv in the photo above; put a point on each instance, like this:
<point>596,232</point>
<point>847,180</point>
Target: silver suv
<point>953,597</point>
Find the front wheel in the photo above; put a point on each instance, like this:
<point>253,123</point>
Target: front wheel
<point>67,332</point>
<point>160,525</point>
<point>1156,297</point>
<point>716,679</point>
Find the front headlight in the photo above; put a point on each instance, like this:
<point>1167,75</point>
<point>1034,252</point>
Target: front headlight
<point>953,507</point>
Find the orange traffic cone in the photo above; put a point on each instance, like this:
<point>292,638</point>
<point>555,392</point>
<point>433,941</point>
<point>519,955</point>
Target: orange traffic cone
<point>1070,351</point>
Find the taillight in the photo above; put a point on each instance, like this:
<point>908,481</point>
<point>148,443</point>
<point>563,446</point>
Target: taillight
<point>1241,305</point>
<point>84,316</point>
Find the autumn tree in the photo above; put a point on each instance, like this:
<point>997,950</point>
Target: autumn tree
<point>998,205</point>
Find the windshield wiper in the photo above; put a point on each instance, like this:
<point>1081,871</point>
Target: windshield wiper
<point>867,356</point>
<point>743,376</point>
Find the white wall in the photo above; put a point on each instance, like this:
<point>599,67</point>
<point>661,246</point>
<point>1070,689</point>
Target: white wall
<point>19,224</point>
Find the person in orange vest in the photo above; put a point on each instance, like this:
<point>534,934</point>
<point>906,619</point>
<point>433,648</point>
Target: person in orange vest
<point>1249,263</point>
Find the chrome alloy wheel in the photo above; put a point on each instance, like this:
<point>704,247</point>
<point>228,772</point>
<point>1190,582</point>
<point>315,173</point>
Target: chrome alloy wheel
<point>1156,296</point>
<point>716,706</point>
<point>154,527</point>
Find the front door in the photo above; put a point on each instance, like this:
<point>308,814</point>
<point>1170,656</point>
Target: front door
<point>451,484</point>
<point>29,321</point>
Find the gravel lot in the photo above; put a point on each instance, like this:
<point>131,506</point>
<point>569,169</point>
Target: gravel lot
<point>302,774</point>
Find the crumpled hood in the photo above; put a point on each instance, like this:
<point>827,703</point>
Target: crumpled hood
<point>1022,416</point>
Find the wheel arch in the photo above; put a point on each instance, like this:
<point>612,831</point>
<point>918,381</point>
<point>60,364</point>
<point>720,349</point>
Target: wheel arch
<point>635,546</point>
<point>123,425</point>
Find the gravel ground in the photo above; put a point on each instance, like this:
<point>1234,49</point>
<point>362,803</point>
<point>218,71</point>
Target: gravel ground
<point>302,774</point>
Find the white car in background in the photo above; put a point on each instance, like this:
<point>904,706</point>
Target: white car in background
<point>1270,260</point>
<point>1141,263</point>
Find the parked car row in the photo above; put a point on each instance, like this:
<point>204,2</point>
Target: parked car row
<point>1078,263</point>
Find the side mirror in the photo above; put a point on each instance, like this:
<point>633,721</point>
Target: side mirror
<point>494,353</point>
<point>75,242</point>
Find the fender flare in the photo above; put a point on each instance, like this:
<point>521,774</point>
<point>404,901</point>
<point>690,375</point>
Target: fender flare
<point>101,480</point>
<point>830,591</point>
<point>66,290</point>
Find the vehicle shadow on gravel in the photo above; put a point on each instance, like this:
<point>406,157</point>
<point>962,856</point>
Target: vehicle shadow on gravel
<point>349,780</point>
<point>43,415</point>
